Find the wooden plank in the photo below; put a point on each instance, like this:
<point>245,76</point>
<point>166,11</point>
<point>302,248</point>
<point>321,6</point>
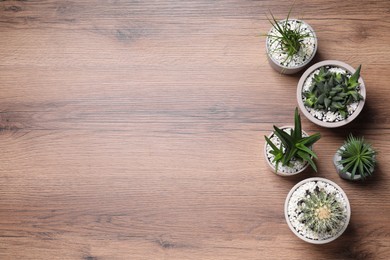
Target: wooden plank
<point>134,129</point>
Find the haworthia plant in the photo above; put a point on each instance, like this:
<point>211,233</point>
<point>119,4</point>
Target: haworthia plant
<point>331,91</point>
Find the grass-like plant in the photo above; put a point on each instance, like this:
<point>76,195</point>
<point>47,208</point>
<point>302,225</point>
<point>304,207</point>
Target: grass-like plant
<point>290,39</point>
<point>293,144</point>
<point>333,92</point>
<point>321,211</point>
<point>357,157</point>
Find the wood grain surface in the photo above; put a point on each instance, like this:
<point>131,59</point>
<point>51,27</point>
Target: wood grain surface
<point>134,129</point>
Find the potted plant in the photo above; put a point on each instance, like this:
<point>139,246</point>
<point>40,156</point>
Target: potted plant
<point>291,44</point>
<point>355,159</point>
<point>331,93</point>
<point>317,210</point>
<point>288,150</point>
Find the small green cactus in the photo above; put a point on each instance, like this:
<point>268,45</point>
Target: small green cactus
<point>321,211</point>
<point>333,92</point>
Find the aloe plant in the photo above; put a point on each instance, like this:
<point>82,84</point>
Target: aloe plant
<point>357,157</point>
<point>333,92</point>
<point>293,145</point>
<point>290,39</point>
<point>321,212</point>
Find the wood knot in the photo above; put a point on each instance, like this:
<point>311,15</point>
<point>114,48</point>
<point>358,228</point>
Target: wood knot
<point>13,8</point>
<point>361,33</point>
<point>165,243</point>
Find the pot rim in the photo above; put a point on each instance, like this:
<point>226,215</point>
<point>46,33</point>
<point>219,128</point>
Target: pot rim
<point>308,72</point>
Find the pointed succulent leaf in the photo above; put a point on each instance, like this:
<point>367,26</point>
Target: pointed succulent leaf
<point>355,77</point>
<point>337,105</point>
<point>305,149</point>
<point>310,140</point>
<point>342,94</point>
<point>321,98</point>
<point>270,143</point>
<point>352,85</point>
<point>297,133</point>
<point>343,113</point>
<point>285,138</point>
<point>289,154</point>
<point>337,98</point>
<point>307,158</point>
<point>327,102</point>
<point>309,103</point>
<point>354,95</point>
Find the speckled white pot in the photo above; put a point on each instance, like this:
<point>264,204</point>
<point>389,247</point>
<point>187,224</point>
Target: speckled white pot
<point>296,68</point>
<point>339,190</point>
<point>272,165</point>
<point>302,107</point>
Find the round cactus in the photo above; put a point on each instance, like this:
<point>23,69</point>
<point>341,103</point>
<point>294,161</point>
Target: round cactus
<point>321,212</point>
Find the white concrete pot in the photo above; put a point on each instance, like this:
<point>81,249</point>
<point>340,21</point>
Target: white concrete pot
<point>310,112</point>
<point>299,60</point>
<point>292,218</point>
<point>289,171</point>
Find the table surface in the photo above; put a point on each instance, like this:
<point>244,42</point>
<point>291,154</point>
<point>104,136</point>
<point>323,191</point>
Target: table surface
<point>134,129</point>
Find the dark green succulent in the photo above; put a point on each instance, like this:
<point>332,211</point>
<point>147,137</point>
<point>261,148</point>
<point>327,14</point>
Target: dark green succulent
<point>293,145</point>
<point>321,211</point>
<point>357,157</point>
<point>290,39</point>
<point>333,92</point>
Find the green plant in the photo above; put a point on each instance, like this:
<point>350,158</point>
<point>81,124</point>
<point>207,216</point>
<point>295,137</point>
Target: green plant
<point>357,157</point>
<point>293,145</point>
<point>321,211</point>
<point>332,91</point>
<point>290,39</point>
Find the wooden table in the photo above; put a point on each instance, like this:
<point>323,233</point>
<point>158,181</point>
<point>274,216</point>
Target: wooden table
<point>134,129</point>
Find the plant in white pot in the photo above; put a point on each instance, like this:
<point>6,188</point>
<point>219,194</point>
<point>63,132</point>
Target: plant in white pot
<point>331,93</point>
<point>288,150</point>
<point>355,159</point>
<point>317,210</point>
<point>291,44</point>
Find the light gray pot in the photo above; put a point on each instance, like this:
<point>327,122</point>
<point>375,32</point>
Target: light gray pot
<point>293,228</point>
<point>290,69</point>
<point>273,166</point>
<point>339,167</point>
<point>308,72</point>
